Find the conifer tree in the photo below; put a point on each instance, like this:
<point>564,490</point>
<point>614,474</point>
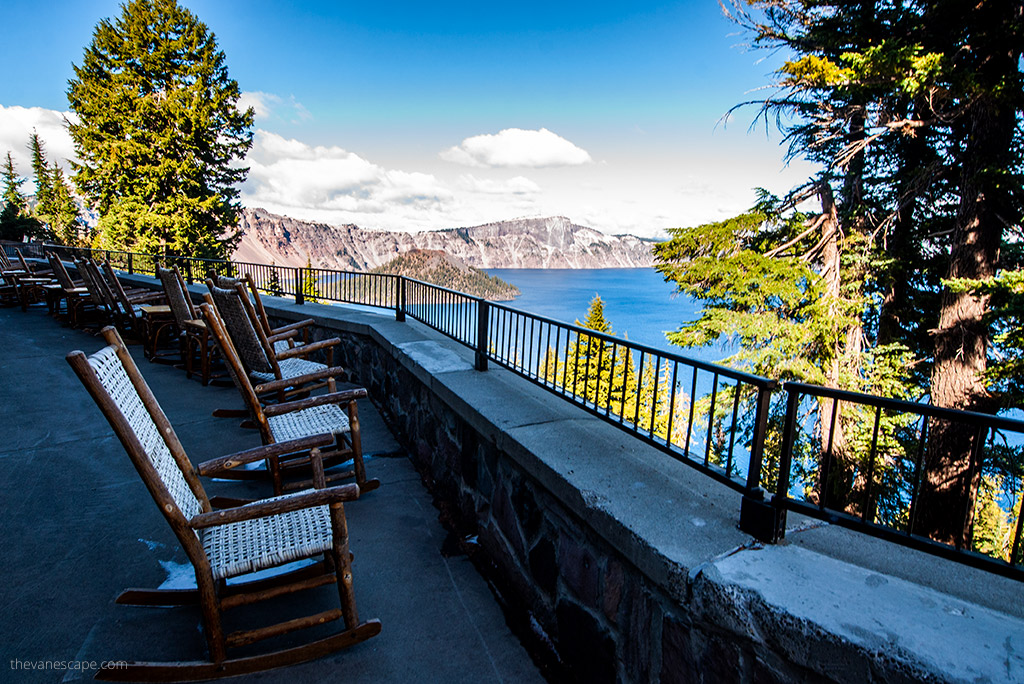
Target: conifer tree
<point>15,221</point>
<point>310,287</point>
<point>274,285</point>
<point>65,225</point>
<point>44,192</point>
<point>159,133</point>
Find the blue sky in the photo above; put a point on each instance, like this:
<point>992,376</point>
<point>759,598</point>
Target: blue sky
<point>412,116</point>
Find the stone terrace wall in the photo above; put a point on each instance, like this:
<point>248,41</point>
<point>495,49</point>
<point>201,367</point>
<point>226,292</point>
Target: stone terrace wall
<point>570,584</point>
<point>623,565</point>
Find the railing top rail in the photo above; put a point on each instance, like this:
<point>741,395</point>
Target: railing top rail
<point>749,378</point>
<point>969,417</point>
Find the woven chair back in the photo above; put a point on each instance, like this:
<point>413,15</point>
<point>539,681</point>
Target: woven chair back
<point>239,326</point>
<point>138,424</point>
<point>228,352</point>
<point>177,295</point>
<point>5,261</point>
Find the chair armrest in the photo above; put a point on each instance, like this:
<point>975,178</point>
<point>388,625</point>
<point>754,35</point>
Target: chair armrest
<point>142,299</point>
<point>308,348</point>
<point>277,337</point>
<point>277,505</point>
<point>275,385</point>
<point>319,400</point>
<point>293,327</point>
<point>215,465</point>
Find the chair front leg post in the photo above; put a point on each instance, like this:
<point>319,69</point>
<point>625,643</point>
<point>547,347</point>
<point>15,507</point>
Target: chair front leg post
<point>214,629</point>
<point>357,444</point>
<point>343,565</point>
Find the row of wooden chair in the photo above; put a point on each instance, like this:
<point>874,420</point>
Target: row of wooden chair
<point>302,435</point>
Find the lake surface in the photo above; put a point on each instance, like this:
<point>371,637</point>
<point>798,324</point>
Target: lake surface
<point>637,302</point>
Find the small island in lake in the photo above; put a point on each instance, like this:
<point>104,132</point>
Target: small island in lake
<point>438,267</point>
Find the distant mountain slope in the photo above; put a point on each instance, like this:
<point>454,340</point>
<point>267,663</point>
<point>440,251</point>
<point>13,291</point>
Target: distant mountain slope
<point>521,243</point>
<point>434,266</point>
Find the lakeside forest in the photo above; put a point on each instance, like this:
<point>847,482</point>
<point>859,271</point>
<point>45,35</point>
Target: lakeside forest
<point>897,269</point>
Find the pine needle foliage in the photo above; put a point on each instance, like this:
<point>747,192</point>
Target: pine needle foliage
<point>159,133</point>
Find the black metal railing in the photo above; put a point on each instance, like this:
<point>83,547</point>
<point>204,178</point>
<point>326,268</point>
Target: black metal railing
<point>889,468</point>
<point>943,481</point>
<point>699,413</point>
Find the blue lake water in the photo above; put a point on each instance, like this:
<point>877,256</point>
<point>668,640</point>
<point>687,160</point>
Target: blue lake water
<point>637,302</point>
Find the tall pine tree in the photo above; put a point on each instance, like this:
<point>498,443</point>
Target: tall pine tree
<point>159,133</point>
<point>15,221</point>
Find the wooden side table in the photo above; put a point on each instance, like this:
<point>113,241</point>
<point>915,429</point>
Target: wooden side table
<point>157,319</point>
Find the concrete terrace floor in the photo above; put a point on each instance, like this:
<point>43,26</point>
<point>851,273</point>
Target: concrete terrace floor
<point>79,526</point>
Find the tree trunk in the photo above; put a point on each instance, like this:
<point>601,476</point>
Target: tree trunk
<point>961,341</point>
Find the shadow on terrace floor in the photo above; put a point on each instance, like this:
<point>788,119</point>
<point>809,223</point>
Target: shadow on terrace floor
<point>79,526</point>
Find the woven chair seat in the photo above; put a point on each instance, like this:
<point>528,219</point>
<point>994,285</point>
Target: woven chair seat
<point>311,421</point>
<point>280,346</point>
<point>251,545</point>
<point>290,368</point>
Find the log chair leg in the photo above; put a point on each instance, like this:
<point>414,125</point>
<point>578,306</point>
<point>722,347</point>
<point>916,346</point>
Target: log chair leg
<point>214,631</point>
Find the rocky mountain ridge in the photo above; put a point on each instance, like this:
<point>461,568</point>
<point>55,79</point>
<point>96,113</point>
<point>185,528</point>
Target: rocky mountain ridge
<point>553,242</point>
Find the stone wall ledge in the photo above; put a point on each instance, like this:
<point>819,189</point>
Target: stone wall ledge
<point>830,603</point>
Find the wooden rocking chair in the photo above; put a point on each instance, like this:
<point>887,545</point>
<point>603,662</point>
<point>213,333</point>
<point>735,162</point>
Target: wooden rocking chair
<point>263,362</point>
<point>261,311</point>
<point>295,419</point>
<point>227,543</point>
<point>194,333</point>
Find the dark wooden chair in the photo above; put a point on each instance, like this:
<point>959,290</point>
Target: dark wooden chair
<point>247,280</point>
<point>295,419</point>
<point>229,543</point>
<point>100,297</point>
<point>262,361</point>
<point>196,342</point>
<point>72,292</point>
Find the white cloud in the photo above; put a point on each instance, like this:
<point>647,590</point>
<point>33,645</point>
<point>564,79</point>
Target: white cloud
<point>517,147</point>
<point>17,124</point>
<point>333,184</point>
<point>260,102</point>
<point>513,186</point>
<point>270,106</point>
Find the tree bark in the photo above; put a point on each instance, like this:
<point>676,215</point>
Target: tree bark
<point>961,340</point>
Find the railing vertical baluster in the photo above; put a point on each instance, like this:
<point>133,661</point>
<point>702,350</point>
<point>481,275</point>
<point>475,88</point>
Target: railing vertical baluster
<point>827,466</point>
<point>639,390</point>
<point>871,465</point>
<point>672,404</point>
<point>483,320</point>
<point>918,467</point>
<point>400,305</point>
<point>732,429</point>
<point>689,423</point>
<point>711,419</point>
<point>966,531</point>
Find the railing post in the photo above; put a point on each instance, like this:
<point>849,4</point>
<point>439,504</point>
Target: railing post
<point>299,297</point>
<point>131,266</point>
<point>759,518</point>
<point>400,304</point>
<point>188,268</point>
<point>482,333</point>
